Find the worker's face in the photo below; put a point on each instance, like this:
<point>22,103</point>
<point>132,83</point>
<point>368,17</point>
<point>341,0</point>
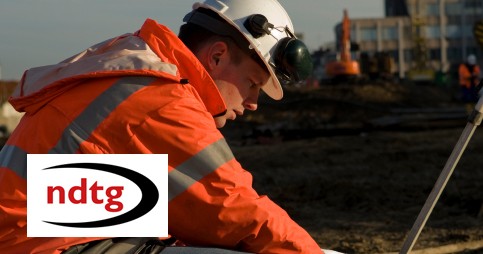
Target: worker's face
<point>239,84</point>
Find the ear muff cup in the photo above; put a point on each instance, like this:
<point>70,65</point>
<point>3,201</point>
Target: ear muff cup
<point>292,60</point>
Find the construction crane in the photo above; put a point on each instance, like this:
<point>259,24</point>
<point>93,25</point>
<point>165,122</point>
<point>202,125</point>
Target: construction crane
<point>478,32</point>
<point>421,72</point>
<point>343,67</point>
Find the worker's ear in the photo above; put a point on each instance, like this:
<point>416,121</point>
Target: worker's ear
<point>217,55</point>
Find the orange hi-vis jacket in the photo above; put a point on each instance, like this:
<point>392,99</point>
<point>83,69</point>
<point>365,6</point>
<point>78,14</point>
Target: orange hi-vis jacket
<point>465,75</point>
<point>141,93</point>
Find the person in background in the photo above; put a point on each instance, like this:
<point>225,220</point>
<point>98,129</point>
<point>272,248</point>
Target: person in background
<point>152,91</point>
<point>469,77</point>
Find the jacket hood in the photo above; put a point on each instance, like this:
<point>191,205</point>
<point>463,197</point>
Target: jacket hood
<point>152,51</point>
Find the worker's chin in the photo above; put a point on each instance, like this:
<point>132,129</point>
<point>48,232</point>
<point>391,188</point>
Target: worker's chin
<point>220,122</point>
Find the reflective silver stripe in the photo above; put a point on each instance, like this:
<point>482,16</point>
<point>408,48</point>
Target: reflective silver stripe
<point>179,179</point>
<point>15,159</point>
<point>197,167</point>
<point>81,128</point>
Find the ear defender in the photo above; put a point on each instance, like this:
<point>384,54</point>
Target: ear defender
<point>291,60</point>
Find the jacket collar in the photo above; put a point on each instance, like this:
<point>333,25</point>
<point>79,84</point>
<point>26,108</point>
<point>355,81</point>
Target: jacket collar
<point>170,48</point>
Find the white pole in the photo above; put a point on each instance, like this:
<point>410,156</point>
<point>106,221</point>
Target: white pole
<point>474,121</point>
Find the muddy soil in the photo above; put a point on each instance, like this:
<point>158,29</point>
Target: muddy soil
<point>357,183</point>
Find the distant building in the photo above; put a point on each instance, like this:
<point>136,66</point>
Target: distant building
<point>443,29</point>
<point>394,8</point>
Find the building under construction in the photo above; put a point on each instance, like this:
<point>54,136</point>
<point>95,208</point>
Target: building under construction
<point>421,36</point>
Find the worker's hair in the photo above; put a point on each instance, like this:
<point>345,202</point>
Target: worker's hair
<point>195,36</point>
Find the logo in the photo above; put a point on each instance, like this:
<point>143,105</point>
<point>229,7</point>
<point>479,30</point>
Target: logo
<point>97,195</point>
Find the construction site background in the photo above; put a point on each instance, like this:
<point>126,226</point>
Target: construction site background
<point>354,164</point>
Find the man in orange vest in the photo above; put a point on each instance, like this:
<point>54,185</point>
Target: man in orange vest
<point>469,73</point>
<point>154,92</point>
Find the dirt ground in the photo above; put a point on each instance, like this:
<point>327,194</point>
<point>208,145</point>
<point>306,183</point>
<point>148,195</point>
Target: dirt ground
<point>354,164</point>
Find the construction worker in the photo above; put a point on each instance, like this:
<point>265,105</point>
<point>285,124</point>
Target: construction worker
<point>469,77</point>
<point>152,91</point>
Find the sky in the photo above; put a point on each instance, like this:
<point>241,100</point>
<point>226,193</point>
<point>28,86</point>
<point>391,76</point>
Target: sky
<point>43,32</point>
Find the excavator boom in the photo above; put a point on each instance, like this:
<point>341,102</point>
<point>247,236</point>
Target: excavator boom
<point>343,67</point>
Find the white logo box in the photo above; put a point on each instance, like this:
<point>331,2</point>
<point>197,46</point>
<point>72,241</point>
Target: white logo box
<point>97,195</point>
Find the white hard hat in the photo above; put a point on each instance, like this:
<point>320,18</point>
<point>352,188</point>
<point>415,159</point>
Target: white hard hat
<point>268,29</point>
<point>471,59</point>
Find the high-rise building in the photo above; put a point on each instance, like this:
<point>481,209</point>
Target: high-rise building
<point>395,8</point>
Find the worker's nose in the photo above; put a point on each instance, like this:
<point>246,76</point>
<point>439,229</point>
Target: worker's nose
<point>251,106</point>
<point>251,103</point>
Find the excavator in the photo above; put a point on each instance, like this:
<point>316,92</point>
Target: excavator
<point>343,67</point>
